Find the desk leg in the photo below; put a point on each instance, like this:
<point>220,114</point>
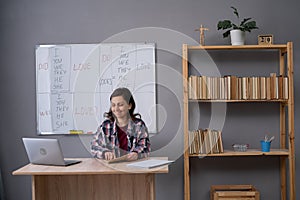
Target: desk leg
<point>39,185</point>
<point>94,187</point>
<point>33,187</point>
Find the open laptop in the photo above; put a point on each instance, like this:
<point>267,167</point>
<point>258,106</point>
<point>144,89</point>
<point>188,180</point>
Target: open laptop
<point>46,151</point>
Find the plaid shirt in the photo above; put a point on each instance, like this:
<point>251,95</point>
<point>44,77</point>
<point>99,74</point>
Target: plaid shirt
<point>105,139</point>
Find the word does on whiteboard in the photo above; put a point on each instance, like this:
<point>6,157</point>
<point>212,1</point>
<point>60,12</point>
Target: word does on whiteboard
<point>74,83</point>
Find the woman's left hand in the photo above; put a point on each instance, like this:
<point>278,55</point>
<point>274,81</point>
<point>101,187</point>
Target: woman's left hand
<point>132,156</point>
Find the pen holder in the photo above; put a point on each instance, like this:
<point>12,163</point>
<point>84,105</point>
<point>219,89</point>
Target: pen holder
<point>265,146</point>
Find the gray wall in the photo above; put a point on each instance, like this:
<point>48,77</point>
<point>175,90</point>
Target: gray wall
<point>27,23</point>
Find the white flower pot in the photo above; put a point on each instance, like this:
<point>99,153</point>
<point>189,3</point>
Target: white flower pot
<point>237,37</point>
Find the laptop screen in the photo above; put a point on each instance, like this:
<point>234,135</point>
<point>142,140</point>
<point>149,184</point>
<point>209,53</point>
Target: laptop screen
<point>44,151</point>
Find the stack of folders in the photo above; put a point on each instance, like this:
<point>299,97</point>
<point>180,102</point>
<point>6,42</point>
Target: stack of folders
<point>205,141</point>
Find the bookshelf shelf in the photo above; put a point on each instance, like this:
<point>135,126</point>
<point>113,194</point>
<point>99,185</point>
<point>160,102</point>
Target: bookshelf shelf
<point>238,101</point>
<point>249,152</point>
<point>241,47</point>
<point>226,91</point>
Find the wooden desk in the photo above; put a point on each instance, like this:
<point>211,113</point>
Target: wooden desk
<point>91,179</point>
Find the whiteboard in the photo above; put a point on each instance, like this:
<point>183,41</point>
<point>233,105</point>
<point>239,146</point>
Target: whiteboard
<point>74,83</point>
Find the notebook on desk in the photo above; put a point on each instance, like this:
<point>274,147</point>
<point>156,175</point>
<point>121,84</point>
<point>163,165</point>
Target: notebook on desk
<point>150,163</point>
<point>45,151</point>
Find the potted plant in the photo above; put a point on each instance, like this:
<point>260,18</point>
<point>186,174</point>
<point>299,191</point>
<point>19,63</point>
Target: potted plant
<point>236,31</point>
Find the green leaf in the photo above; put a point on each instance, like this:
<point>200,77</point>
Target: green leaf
<point>235,26</point>
<point>235,11</point>
<point>226,34</point>
<point>225,24</point>
<point>250,25</point>
<point>245,20</point>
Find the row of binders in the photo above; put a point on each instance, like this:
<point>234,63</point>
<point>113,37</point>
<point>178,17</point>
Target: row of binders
<point>205,141</point>
<point>238,88</point>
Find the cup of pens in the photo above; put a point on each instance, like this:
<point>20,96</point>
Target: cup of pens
<point>266,144</point>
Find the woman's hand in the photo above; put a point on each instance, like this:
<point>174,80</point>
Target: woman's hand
<point>109,155</point>
<point>132,156</point>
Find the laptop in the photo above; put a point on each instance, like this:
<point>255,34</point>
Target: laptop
<point>46,151</point>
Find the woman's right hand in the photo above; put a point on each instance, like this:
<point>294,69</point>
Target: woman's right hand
<point>109,156</point>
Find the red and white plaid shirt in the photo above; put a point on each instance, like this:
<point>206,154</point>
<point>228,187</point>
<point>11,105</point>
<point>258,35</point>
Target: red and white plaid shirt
<point>105,139</point>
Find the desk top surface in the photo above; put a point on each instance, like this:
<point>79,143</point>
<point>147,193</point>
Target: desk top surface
<point>88,166</point>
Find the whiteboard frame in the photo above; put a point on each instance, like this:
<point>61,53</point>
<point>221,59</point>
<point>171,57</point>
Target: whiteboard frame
<point>154,128</point>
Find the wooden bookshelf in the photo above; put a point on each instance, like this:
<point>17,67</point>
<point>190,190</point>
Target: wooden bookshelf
<point>286,149</point>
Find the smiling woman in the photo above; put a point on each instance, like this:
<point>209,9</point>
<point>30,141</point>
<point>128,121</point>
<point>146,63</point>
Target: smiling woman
<point>123,131</point>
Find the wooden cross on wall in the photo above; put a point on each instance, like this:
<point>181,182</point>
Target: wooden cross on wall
<point>201,30</point>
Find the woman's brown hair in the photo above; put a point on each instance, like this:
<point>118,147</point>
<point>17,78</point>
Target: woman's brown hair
<point>126,94</point>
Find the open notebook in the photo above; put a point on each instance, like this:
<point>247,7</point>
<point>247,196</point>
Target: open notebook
<point>150,163</point>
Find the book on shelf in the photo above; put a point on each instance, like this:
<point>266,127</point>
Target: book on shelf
<point>244,88</point>
<point>205,141</point>
<point>280,87</point>
<point>263,91</point>
<point>227,87</point>
<point>268,88</point>
<point>222,88</point>
<point>285,88</point>
<point>251,88</point>
<point>239,88</point>
<point>192,87</point>
<point>273,85</point>
<point>231,87</point>
<point>255,89</point>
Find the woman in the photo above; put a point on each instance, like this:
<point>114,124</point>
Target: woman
<point>123,131</point>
